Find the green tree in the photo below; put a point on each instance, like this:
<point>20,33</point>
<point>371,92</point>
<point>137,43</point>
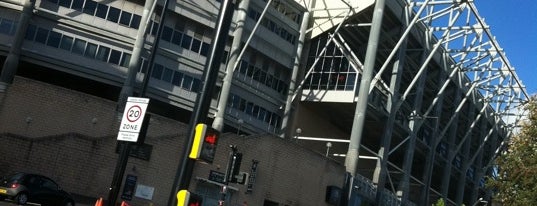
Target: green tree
<point>439,202</point>
<point>516,182</point>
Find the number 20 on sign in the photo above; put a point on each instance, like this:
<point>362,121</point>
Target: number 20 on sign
<point>132,120</point>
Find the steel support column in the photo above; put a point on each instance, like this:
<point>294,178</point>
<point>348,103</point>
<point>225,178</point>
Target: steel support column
<point>351,160</point>
<point>381,170</point>
<point>466,144</point>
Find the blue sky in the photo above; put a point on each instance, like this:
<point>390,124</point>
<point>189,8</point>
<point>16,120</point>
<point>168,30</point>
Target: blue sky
<point>514,23</point>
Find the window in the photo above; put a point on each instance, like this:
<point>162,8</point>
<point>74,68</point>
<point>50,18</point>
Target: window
<point>125,59</point>
<point>66,43</point>
<point>77,5</point>
<point>187,82</point>
<point>125,18</point>
<point>90,51</point>
<point>54,39</point>
<point>46,183</point>
<point>30,32</point>
<point>90,7</point>
<point>42,35</point>
<point>101,11</point>
<point>196,85</point>
<point>5,26</point>
<point>167,33</point>
<point>113,14</point>
<point>196,44</point>
<point>102,53</point>
<point>65,3</point>
<point>135,22</point>
<point>205,49</point>
<point>79,47</point>
<point>176,39</point>
<point>157,71</point>
<point>177,77</point>
<point>115,56</point>
<point>185,43</point>
<point>167,76</point>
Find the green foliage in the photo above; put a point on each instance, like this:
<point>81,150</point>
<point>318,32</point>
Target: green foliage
<point>439,202</point>
<point>516,183</point>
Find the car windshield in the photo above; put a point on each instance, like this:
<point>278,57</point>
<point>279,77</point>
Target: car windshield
<point>13,177</point>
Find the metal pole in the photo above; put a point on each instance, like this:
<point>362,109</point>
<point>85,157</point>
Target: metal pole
<point>203,100</point>
<point>351,160</point>
<point>127,90</point>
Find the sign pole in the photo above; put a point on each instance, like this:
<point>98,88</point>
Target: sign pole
<point>133,122</point>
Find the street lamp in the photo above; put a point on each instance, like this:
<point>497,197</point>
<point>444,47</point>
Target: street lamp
<point>297,133</point>
<point>240,122</point>
<point>480,200</point>
<point>328,145</point>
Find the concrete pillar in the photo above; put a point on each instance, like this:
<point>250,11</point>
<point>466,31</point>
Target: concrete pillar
<point>134,64</point>
<point>11,64</point>
<point>242,10</point>
<point>286,129</point>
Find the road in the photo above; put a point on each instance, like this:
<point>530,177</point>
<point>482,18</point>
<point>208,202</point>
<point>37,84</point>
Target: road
<point>8,203</point>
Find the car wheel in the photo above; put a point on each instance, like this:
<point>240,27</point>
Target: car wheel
<point>69,203</point>
<point>21,198</point>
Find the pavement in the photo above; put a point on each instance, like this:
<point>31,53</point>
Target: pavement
<point>82,200</point>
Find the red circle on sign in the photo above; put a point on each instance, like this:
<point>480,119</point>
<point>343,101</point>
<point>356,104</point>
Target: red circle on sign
<point>134,113</point>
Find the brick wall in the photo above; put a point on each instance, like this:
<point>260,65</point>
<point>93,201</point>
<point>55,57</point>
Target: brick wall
<point>71,137</point>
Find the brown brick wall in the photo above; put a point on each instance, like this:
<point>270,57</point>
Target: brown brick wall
<point>62,140</point>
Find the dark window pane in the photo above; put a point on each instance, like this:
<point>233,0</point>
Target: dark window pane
<point>65,3</point>
<point>90,51</point>
<point>79,46</point>
<point>167,33</point>
<point>157,71</point>
<point>177,37</point>
<point>113,14</point>
<point>167,76</point>
<point>196,84</point>
<point>66,43</point>
<point>42,35</point>
<point>177,78</point>
<point>125,59</point>
<point>115,56</point>
<point>205,49</point>
<point>135,22</point>
<point>101,11</point>
<point>185,43</point>
<point>154,28</point>
<point>187,82</point>
<point>90,7</point>
<point>54,39</point>
<point>30,32</point>
<point>5,26</point>
<point>102,53</point>
<point>53,1</point>
<point>77,5</point>
<point>196,44</point>
<point>125,18</point>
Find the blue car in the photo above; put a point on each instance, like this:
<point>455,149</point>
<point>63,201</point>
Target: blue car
<point>22,188</point>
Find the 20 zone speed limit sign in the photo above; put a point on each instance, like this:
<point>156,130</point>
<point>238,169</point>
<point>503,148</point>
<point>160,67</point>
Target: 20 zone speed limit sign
<point>133,116</point>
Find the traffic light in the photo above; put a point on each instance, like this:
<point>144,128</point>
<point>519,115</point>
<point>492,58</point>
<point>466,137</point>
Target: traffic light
<point>185,198</point>
<point>204,145</point>
<point>235,166</point>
